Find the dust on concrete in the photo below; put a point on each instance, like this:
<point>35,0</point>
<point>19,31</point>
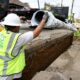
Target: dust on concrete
<point>67,65</point>
<point>69,62</point>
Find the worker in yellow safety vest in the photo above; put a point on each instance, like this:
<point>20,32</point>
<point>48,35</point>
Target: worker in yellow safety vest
<point>12,59</point>
<point>1,28</point>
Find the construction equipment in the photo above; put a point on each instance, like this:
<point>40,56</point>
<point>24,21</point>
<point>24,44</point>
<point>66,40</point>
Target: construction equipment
<point>3,8</point>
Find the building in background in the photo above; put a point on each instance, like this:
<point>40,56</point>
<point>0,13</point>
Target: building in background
<point>20,8</point>
<point>61,12</point>
<point>19,3</point>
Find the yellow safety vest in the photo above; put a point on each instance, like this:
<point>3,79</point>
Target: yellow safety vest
<point>1,27</point>
<point>11,61</point>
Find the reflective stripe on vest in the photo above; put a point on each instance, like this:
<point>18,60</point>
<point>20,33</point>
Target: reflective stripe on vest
<point>9,62</point>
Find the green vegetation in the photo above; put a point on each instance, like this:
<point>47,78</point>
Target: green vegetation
<point>77,34</point>
<point>71,18</point>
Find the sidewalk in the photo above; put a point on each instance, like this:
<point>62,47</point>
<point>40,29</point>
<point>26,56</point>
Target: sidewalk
<point>68,65</point>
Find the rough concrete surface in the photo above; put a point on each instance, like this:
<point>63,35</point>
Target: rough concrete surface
<point>43,50</point>
<point>68,64</point>
<point>45,75</point>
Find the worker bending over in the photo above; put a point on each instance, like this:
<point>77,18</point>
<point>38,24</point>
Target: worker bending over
<point>12,59</point>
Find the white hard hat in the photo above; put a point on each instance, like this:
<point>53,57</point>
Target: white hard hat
<point>12,19</point>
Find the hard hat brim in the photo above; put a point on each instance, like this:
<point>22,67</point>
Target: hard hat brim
<point>9,24</point>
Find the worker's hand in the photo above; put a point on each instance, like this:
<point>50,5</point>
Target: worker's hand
<point>45,16</point>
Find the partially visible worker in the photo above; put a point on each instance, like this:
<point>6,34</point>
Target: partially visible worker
<point>1,28</point>
<point>12,59</point>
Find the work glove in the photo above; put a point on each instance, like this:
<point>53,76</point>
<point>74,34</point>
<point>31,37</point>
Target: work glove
<point>45,17</point>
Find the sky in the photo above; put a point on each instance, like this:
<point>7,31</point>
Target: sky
<point>76,8</point>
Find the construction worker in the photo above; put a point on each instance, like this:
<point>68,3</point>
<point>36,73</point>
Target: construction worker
<point>12,59</point>
<point>1,28</point>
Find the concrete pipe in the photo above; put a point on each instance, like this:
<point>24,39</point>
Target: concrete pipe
<point>52,21</point>
<point>37,17</point>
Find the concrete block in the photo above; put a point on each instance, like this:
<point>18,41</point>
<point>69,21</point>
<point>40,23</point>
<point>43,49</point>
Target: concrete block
<point>42,51</point>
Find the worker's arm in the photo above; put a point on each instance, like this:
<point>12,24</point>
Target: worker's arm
<point>39,28</point>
